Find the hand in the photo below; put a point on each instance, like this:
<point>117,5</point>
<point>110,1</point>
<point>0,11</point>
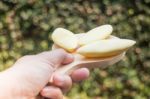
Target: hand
<point>30,75</point>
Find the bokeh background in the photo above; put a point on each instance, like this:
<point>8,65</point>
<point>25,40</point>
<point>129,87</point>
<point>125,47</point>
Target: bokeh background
<point>26,27</point>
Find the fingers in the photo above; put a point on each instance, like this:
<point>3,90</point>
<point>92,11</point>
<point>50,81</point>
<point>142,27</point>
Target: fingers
<point>68,59</point>
<point>80,74</point>
<point>65,82</point>
<point>62,81</point>
<point>52,92</point>
<point>57,57</point>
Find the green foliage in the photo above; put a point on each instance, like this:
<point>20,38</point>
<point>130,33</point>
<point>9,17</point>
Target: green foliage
<point>26,27</point>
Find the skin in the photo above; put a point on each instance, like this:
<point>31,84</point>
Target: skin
<point>30,77</point>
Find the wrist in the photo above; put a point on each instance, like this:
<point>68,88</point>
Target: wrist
<point>20,82</point>
<point>10,85</point>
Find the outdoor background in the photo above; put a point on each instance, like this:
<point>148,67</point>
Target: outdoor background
<point>26,27</point>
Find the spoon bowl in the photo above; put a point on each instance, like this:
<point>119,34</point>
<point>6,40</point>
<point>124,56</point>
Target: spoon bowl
<point>80,61</point>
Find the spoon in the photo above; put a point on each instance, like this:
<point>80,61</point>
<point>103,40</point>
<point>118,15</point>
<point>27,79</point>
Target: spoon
<point>81,61</point>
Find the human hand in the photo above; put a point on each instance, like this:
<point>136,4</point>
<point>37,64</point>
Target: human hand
<point>32,73</point>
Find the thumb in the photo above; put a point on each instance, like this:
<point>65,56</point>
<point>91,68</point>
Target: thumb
<point>57,57</point>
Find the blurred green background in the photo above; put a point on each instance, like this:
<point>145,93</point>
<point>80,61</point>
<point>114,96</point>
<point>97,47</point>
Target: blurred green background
<point>26,27</point>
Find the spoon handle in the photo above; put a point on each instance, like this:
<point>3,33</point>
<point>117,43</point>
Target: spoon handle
<point>97,63</point>
<point>67,69</point>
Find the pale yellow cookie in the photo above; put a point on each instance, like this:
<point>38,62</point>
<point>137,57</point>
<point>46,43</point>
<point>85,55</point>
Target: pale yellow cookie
<point>95,34</point>
<point>65,39</point>
<point>105,48</point>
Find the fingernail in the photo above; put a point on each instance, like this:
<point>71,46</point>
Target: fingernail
<point>59,79</point>
<point>69,58</point>
<point>45,91</point>
<point>80,74</point>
